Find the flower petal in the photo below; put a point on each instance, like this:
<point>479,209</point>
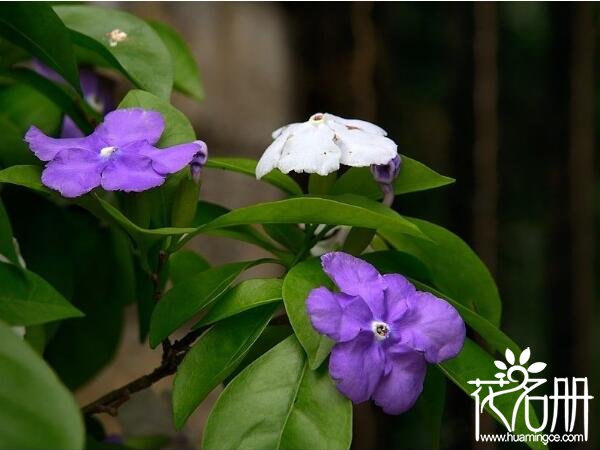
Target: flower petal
<point>360,149</point>
<point>171,159</point>
<point>431,325</point>
<point>356,277</point>
<point>124,126</point>
<point>310,148</point>
<point>73,172</point>
<point>357,366</point>
<point>398,289</point>
<point>129,171</point>
<point>399,389</point>
<point>270,158</point>
<point>337,315</point>
<point>46,148</point>
<point>356,123</point>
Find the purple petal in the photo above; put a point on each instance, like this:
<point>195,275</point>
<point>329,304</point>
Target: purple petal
<point>399,389</point>
<point>124,126</point>
<point>357,366</point>
<point>46,148</point>
<point>172,159</point>
<point>129,171</point>
<point>337,315</point>
<point>73,172</point>
<point>432,326</point>
<point>398,290</point>
<point>356,277</point>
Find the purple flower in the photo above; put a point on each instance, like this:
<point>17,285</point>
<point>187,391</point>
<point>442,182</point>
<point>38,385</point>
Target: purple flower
<point>119,155</point>
<point>385,174</point>
<point>385,332</point>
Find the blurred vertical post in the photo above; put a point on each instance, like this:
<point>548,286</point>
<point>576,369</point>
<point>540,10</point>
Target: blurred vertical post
<point>581,184</point>
<point>485,148</point>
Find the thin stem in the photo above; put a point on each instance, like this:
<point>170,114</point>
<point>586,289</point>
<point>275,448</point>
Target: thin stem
<point>111,402</point>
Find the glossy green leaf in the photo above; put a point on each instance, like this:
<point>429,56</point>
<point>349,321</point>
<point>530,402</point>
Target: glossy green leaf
<point>185,300</point>
<point>331,210</point>
<point>248,167</point>
<point>25,176</point>
<point>7,245</point>
<point>185,264</point>
<point>299,281</point>
<point>413,177</point>
<point>178,129</point>
<point>141,55</point>
<point>456,270</point>
<point>27,299</point>
<point>475,363</point>
<point>287,234</point>
<point>37,29</point>
<point>206,212</point>
<point>216,354</point>
<point>185,70</point>
<point>20,107</point>
<point>37,412</point>
<point>246,295</point>
<point>277,402</point>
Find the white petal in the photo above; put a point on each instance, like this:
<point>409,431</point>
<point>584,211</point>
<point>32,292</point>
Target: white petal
<point>357,123</point>
<point>310,149</point>
<point>361,149</point>
<point>289,128</point>
<point>268,161</point>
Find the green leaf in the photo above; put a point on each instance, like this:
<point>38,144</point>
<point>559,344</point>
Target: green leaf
<point>185,70</point>
<point>185,264</point>
<point>248,167</point>
<point>287,234</point>
<point>103,286</point>
<point>213,358</point>
<point>475,363</point>
<point>413,177</point>
<point>25,176</point>
<point>7,245</point>
<point>37,29</point>
<point>278,403</point>
<point>331,210</point>
<point>141,56</point>
<point>206,212</point>
<point>178,129</point>
<point>27,299</point>
<point>185,300</point>
<point>299,281</point>
<point>246,295</point>
<point>455,269</point>
<point>37,412</point>
<point>20,107</point>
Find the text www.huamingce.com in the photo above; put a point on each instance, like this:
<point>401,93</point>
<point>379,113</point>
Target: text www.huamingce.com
<point>533,437</point>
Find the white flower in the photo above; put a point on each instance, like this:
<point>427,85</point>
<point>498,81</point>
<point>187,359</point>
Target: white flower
<point>323,143</point>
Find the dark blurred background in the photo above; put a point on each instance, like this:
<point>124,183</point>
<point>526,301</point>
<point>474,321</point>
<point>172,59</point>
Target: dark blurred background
<point>501,96</point>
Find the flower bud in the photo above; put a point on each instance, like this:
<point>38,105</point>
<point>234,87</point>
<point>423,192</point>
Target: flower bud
<point>385,174</point>
<point>198,161</point>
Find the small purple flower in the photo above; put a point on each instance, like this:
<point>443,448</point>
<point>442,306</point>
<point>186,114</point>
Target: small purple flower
<point>198,161</point>
<point>119,155</point>
<point>385,332</point>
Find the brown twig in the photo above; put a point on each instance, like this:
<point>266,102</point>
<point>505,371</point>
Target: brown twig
<point>111,402</point>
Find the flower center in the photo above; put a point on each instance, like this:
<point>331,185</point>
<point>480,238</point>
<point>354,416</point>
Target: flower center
<point>107,151</point>
<point>317,118</point>
<point>381,330</point>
